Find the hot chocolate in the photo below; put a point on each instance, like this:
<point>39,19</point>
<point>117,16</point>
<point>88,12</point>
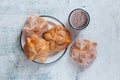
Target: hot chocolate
<point>79,19</point>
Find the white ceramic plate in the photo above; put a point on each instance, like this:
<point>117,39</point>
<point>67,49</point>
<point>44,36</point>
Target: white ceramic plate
<point>52,21</point>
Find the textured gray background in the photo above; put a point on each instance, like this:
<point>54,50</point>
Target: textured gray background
<point>104,28</point>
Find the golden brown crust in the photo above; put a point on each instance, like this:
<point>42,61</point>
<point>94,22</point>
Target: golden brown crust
<point>36,49</point>
<point>59,38</point>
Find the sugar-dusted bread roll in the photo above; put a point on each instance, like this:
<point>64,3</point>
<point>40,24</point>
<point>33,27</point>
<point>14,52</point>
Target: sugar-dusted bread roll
<point>35,26</point>
<point>36,49</point>
<point>83,52</point>
<point>59,38</point>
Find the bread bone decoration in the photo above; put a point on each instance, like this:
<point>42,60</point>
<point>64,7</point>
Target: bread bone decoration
<point>83,52</point>
<point>59,38</point>
<point>36,49</point>
<point>35,26</point>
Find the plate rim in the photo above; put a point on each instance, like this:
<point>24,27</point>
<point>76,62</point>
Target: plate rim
<point>58,57</point>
